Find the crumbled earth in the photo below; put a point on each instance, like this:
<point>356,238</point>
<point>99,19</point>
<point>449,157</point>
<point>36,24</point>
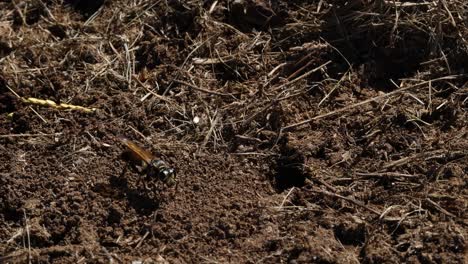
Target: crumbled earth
<point>301,131</point>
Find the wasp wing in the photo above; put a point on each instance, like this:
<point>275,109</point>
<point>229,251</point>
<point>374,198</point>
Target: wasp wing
<point>138,152</point>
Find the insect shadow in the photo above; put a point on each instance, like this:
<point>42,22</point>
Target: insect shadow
<point>142,201</point>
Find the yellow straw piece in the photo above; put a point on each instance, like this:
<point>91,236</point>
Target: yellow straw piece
<point>62,106</point>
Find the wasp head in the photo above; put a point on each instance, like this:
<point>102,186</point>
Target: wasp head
<point>163,172</point>
<point>168,176</point>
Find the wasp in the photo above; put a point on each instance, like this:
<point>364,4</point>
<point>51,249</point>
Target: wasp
<point>148,163</point>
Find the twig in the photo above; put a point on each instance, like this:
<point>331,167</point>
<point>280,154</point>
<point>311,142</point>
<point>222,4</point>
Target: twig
<point>349,107</point>
<point>302,76</point>
<point>17,234</point>
<point>23,19</point>
<point>201,89</point>
<point>385,174</point>
<point>49,14</point>
<point>407,4</point>
<point>210,131</point>
<point>405,160</point>
<point>302,60</point>
<point>139,133</point>
<point>183,64</point>
<point>142,239</point>
<point>26,222</point>
<point>209,61</point>
<point>351,200</point>
<point>444,4</point>
<point>333,89</point>
<point>13,91</point>
<point>39,115</point>
<point>150,91</point>
<point>438,207</point>
<point>111,260</point>
<point>29,135</point>
<point>285,198</point>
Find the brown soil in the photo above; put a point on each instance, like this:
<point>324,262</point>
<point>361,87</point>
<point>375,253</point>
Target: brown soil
<point>301,131</point>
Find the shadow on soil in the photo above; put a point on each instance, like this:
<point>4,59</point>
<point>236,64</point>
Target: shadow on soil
<point>138,199</point>
<point>380,59</point>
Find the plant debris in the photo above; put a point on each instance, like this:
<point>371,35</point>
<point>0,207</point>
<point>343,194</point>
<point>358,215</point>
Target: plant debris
<point>302,131</point>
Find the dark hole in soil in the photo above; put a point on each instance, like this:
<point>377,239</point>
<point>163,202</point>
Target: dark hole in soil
<point>351,234</point>
<point>232,71</point>
<point>11,214</point>
<point>289,170</point>
<point>86,7</point>
<point>30,13</point>
<point>445,115</point>
<point>294,253</point>
<point>403,247</point>
<point>250,15</point>
<point>5,49</point>
<point>20,123</point>
<point>176,20</point>
<point>7,103</point>
<point>148,55</point>
<point>320,153</point>
<point>115,215</point>
<point>271,245</point>
<point>58,31</point>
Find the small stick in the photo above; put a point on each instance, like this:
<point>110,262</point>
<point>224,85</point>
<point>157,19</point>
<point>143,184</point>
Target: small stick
<point>295,73</point>
<point>111,260</point>
<point>385,174</point>
<point>13,91</point>
<point>201,89</point>
<point>141,239</point>
<point>17,234</point>
<point>438,207</point>
<point>209,61</point>
<point>210,131</point>
<point>140,134</point>
<point>405,160</point>
<point>351,200</point>
<point>444,4</point>
<point>29,135</point>
<point>41,117</point>
<point>333,89</point>
<point>302,76</point>
<point>183,64</point>
<point>349,107</point>
<point>26,222</point>
<point>23,19</point>
<point>285,198</point>
<point>150,91</point>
